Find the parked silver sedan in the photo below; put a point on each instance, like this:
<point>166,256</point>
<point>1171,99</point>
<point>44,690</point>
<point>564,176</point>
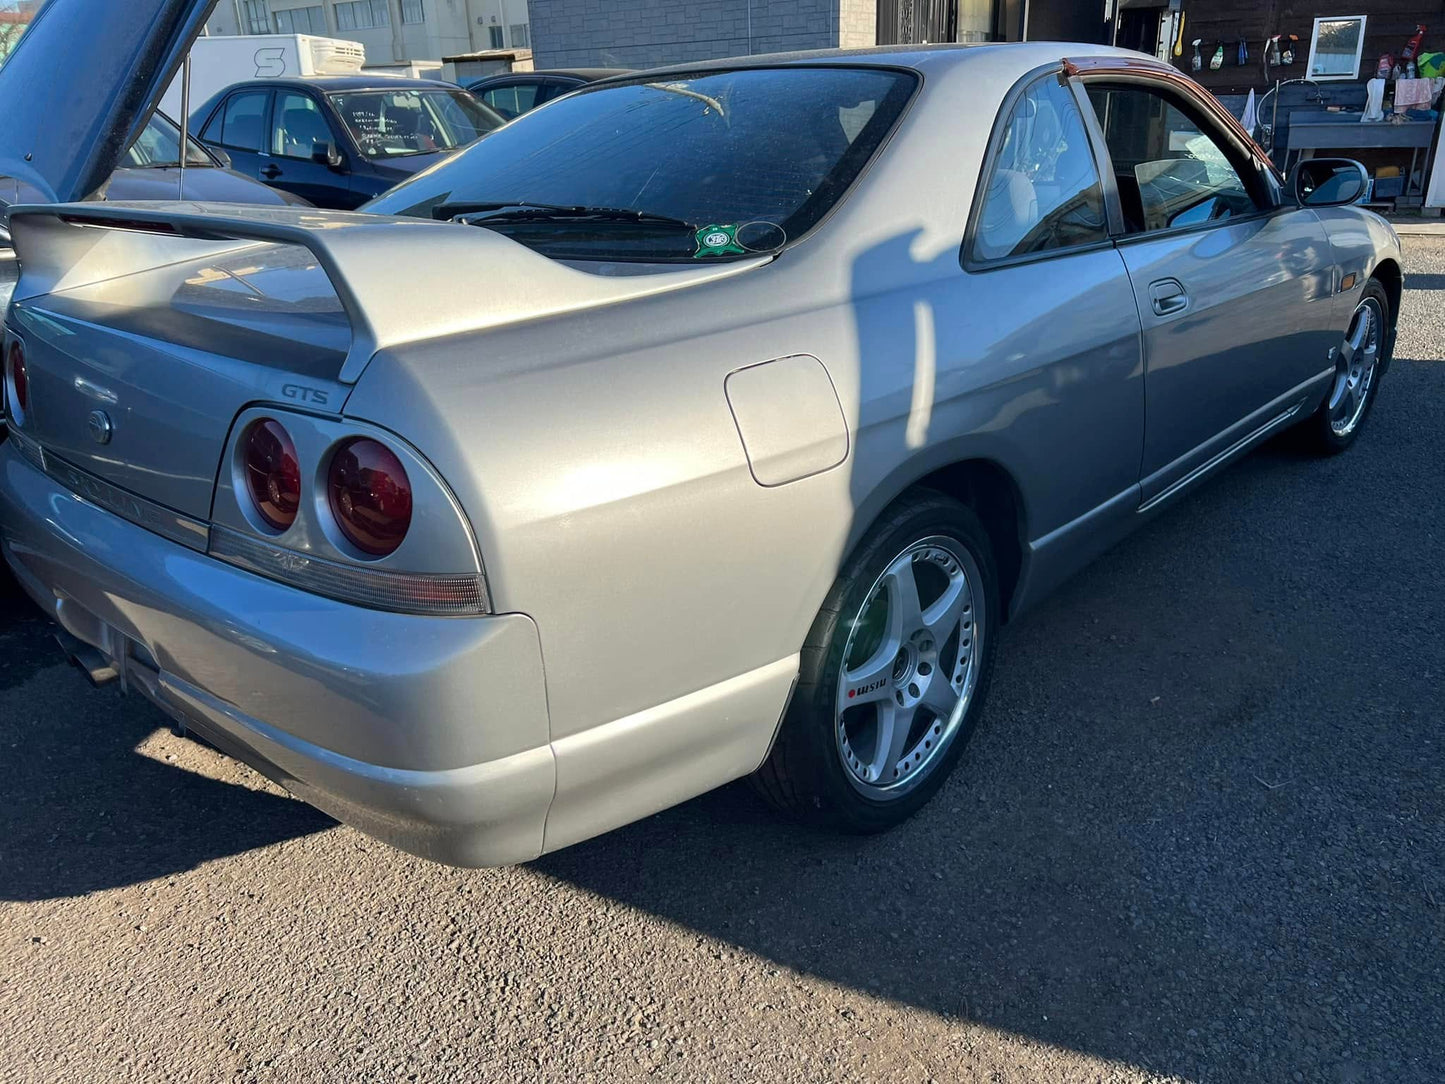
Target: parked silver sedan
<point>703,424</point>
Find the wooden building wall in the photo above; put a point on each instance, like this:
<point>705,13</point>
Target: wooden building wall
<point>1389,27</point>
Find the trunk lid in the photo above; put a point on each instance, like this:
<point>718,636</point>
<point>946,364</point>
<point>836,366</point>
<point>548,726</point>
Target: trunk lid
<point>149,327</point>
<point>137,379</point>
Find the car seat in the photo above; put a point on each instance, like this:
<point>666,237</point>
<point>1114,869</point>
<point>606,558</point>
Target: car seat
<point>300,130</point>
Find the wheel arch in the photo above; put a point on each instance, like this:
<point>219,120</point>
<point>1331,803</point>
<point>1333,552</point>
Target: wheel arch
<point>1392,278</point>
<point>982,483</point>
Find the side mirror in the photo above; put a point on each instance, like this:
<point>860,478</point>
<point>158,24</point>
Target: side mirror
<point>326,154</point>
<point>221,157</point>
<point>1328,182</point>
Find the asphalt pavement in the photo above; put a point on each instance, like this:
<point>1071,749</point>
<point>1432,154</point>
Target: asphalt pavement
<point>1200,836</point>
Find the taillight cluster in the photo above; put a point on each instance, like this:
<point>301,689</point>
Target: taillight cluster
<point>17,378</point>
<point>367,489</point>
<point>273,473</point>
<point>370,495</point>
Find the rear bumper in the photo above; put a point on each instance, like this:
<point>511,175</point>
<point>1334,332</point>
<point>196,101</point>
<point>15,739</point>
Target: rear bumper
<point>429,733</point>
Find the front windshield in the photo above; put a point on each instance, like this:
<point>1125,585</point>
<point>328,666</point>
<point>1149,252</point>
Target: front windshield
<point>752,157</point>
<point>159,145</point>
<point>402,122</point>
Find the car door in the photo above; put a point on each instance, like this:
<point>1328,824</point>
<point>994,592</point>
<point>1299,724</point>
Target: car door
<point>1046,309</point>
<point>1233,287</point>
<point>298,124</point>
<point>239,126</point>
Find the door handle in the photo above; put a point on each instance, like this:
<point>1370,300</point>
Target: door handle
<point>270,172</point>
<point>1168,296</point>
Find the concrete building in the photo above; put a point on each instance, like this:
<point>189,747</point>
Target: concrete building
<point>644,33</point>
<point>393,31</point>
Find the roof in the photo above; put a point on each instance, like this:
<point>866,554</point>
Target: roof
<point>590,74</point>
<point>489,54</point>
<point>361,81</point>
<point>1024,55</point>
<point>587,75</point>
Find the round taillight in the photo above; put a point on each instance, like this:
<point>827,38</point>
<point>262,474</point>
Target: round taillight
<point>273,473</point>
<point>19,381</point>
<point>370,496</point>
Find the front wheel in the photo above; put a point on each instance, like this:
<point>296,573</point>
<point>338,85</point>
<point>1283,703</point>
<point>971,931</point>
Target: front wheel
<point>894,672</point>
<point>1359,363</point>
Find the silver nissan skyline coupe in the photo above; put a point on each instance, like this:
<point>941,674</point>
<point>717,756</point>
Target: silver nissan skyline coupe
<point>706,422</point>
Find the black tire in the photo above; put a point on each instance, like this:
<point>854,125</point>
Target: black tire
<point>1316,432</point>
<point>804,774</point>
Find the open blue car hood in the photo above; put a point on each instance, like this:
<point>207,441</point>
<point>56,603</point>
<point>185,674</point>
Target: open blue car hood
<point>81,83</point>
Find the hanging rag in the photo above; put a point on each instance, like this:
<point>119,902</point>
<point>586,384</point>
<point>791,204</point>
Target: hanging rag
<point>1412,94</point>
<point>1250,118</point>
<point>1374,101</point>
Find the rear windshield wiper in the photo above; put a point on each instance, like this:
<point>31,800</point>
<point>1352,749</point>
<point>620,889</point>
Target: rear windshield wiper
<point>480,214</point>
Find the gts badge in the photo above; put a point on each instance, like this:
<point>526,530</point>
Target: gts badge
<point>300,393</point>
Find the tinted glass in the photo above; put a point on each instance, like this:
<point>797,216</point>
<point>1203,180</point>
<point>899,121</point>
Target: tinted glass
<point>1044,191</point>
<point>159,145</point>
<point>212,132</point>
<point>397,123</point>
<point>512,101</point>
<point>245,116</point>
<point>297,124</point>
<point>767,149</point>
<point>1170,172</point>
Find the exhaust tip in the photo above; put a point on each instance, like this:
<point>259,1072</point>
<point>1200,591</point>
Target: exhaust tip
<point>98,670</point>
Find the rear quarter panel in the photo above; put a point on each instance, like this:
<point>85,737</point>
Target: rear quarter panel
<point>597,459</point>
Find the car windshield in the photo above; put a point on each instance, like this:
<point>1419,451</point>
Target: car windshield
<point>401,122</point>
<point>159,145</point>
<point>739,161</point>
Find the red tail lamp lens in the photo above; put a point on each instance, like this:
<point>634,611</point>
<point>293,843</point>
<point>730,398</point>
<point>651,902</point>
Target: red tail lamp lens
<point>18,380</point>
<point>370,496</point>
<point>273,474</point>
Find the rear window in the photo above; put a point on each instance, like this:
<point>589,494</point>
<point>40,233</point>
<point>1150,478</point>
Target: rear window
<point>761,152</point>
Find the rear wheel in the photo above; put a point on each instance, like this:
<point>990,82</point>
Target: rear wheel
<point>1359,363</point>
<point>894,672</point>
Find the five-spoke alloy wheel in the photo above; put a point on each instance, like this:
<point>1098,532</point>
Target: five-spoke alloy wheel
<point>910,666</point>
<point>894,671</point>
<point>1355,370</point>
<point>1360,361</point>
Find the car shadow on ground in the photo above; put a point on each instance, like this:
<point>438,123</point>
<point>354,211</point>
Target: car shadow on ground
<point>81,809</point>
<point>1423,281</point>
<point>1180,821</point>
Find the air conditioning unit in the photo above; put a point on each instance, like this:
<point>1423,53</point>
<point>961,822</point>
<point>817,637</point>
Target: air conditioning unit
<point>331,56</point>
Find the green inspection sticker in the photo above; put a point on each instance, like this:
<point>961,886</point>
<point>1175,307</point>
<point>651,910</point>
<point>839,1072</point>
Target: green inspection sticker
<point>718,241</point>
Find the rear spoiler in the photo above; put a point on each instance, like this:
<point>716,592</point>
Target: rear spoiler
<point>399,279</point>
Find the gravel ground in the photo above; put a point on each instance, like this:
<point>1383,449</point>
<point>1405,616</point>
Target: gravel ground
<point>1200,836</point>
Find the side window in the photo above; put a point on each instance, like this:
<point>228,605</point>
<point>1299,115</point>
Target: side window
<point>512,101</point>
<point>213,130</point>
<point>297,125</point>
<point>1170,171</point>
<point>245,114</point>
<point>1043,189</point>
